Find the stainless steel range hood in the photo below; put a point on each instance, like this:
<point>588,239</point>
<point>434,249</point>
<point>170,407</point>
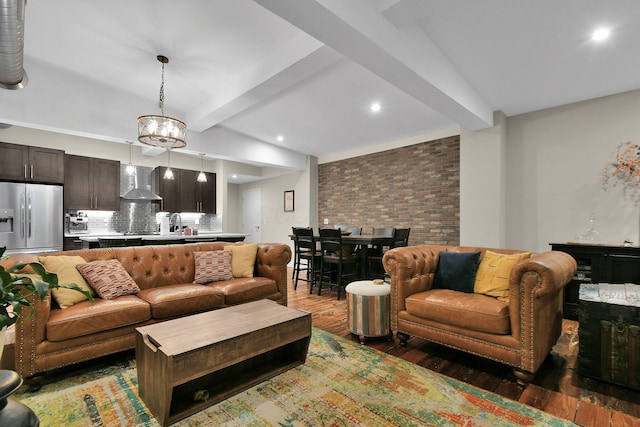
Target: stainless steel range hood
<point>138,187</point>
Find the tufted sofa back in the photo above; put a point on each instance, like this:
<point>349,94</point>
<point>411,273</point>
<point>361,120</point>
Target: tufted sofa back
<point>152,266</point>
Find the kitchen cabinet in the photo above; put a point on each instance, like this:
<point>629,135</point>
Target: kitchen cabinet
<point>197,196</point>
<point>24,163</point>
<point>184,193</point>
<point>72,243</point>
<point>91,183</point>
<point>598,264</point>
<point>168,189</point>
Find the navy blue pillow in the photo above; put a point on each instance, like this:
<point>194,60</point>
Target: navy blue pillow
<point>457,271</point>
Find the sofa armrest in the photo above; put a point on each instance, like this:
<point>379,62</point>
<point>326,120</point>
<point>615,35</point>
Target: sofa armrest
<point>536,300</point>
<point>271,262</point>
<point>30,327</point>
<point>412,269</point>
<point>554,268</point>
<point>29,332</point>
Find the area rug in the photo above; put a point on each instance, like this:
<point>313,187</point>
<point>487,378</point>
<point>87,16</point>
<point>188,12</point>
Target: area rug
<point>341,384</point>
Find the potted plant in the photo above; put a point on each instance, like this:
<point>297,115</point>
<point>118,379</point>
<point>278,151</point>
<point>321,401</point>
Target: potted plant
<point>17,286</point>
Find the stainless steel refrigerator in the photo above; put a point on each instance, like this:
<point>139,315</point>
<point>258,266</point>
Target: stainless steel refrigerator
<point>31,217</point>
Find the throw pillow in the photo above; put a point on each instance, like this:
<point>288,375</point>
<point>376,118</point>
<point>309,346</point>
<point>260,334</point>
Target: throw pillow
<point>243,259</point>
<point>493,274</point>
<point>457,271</point>
<point>212,266</point>
<point>108,278</point>
<point>65,267</point>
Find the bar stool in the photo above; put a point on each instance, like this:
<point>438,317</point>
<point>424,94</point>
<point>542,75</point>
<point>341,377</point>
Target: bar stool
<point>368,308</point>
<point>305,257</point>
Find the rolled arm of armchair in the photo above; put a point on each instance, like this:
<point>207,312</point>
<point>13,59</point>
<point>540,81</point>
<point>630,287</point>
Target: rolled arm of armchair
<point>271,262</point>
<point>411,269</point>
<point>536,301</point>
<point>554,268</point>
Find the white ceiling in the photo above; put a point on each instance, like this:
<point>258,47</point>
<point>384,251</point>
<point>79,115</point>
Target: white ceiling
<point>242,72</point>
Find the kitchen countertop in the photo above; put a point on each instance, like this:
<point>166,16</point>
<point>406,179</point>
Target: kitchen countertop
<point>150,237</point>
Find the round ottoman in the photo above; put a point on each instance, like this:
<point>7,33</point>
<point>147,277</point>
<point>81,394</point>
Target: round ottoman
<point>368,307</point>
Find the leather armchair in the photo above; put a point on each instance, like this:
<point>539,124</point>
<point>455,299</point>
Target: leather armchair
<point>476,323</point>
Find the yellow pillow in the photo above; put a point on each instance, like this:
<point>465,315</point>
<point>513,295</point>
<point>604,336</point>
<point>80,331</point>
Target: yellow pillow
<point>243,258</point>
<point>65,267</point>
<point>492,277</point>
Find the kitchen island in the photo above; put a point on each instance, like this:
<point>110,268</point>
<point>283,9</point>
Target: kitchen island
<point>89,241</point>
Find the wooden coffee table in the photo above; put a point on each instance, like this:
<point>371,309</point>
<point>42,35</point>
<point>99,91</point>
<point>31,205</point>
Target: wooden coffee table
<point>219,353</point>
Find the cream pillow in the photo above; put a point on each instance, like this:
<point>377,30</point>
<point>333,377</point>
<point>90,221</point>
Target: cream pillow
<point>492,277</point>
<point>243,259</point>
<point>65,267</point>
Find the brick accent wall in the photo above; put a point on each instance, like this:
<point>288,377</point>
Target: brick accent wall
<point>417,186</point>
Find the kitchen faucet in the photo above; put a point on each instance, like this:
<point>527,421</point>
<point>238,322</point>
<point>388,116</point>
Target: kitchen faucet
<point>172,220</point>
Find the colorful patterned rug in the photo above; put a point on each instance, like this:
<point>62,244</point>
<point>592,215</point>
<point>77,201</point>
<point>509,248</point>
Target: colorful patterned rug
<point>342,383</point>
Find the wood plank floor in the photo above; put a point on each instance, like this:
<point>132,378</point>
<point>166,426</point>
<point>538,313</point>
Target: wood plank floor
<point>557,388</point>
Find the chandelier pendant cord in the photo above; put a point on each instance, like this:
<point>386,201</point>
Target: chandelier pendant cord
<point>161,98</point>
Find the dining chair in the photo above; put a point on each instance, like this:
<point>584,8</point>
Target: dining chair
<point>374,261</point>
<point>306,256</point>
<point>296,253</point>
<point>336,268</point>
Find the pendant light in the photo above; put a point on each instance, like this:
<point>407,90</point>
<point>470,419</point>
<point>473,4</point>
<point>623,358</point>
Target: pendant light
<point>160,130</point>
<point>130,169</point>
<point>168,173</point>
<point>202,177</point>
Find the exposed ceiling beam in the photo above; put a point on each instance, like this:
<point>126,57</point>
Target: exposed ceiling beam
<point>299,59</point>
<point>358,31</point>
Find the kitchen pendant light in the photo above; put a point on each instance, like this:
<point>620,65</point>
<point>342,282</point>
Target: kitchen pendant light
<point>202,177</point>
<point>168,173</point>
<point>161,131</point>
<point>130,169</point>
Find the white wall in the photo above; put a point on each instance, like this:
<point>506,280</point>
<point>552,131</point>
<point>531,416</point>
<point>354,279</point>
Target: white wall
<point>483,184</point>
<point>554,162</point>
<point>276,224</point>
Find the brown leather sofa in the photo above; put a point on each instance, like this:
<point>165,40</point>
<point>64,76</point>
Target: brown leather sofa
<point>519,333</point>
<point>55,337</point>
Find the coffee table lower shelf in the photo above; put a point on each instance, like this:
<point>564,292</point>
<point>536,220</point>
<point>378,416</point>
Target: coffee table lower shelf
<point>173,383</point>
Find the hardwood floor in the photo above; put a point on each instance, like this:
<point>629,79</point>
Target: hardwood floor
<point>557,388</point>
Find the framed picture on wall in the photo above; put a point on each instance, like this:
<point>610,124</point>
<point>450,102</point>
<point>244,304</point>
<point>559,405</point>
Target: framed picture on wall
<point>288,201</point>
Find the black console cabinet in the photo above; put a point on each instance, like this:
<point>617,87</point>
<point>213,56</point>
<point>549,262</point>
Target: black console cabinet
<point>598,264</point>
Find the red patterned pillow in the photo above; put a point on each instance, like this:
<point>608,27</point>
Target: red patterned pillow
<point>108,278</point>
<point>212,266</point>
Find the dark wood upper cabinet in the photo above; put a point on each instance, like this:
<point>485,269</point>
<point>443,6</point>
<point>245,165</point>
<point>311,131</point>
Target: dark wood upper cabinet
<point>91,183</point>
<point>184,193</point>
<point>197,196</point>
<point>31,164</point>
<point>168,189</point>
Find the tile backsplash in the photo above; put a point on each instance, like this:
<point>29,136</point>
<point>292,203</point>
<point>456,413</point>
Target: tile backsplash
<point>140,217</point>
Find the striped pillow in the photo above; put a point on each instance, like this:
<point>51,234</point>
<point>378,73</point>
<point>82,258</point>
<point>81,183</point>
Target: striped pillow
<point>108,278</point>
<point>212,266</point>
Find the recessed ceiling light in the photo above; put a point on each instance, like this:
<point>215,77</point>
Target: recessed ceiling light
<point>280,138</point>
<point>375,107</point>
<point>600,34</point>
<point>234,176</point>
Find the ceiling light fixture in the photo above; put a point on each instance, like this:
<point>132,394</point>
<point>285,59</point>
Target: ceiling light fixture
<point>130,169</point>
<point>168,173</point>
<point>375,107</point>
<point>202,177</point>
<point>161,131</point>
<point>280,138</point>
<point>600,34</point>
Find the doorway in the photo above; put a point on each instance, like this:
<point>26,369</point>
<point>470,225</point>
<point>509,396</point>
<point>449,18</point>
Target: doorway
<point>252,215</point>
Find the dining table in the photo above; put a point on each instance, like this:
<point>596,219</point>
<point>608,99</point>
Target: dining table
<point>363,241</point>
